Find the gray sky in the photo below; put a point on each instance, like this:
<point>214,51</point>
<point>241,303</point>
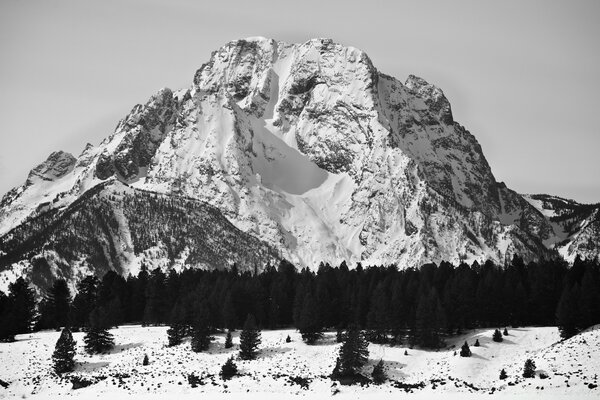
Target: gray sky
<point>522,76</point>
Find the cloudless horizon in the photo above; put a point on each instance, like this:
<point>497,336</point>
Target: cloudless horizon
<point>522,76</point>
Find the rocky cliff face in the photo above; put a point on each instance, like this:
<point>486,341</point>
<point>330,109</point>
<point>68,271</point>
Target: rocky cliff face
<point>311,149</point>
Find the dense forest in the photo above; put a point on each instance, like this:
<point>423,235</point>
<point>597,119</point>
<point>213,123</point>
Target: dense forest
<point>414,306</point>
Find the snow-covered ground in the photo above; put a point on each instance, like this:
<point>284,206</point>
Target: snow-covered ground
<point>571,366</point>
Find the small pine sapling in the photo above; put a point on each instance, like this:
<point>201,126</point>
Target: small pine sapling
<point>497,336</point>
<point>229,369</point>
<point>505,333</point>
<point>477,343</point>
<point>465,351</point>
<point>288,339</point>
<point>503,375</point>
<point>146,361</point>
<point>228,340</point>
<point>378,373</point>
<point>529,369</point>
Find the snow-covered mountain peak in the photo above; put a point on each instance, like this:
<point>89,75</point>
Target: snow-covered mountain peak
<point>310,148</point>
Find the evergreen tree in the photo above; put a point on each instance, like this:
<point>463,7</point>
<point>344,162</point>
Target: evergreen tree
<point>378,375</point>
<point>229,369</point>
<point>505,333</point>
<point>503,374</point>
<point>378,319</point>
<point>308,320</point>
<point>84,302</point>
<point>64,353</point>
<point>529,369</point>
<point>97,338</point>
<point>146,360</point>
<point>288,339</point>
<point>21,302</point>
<point>566,312</point>
<point>201,330</point>
<point>497,336</point>
<point>178,328</point>
<point>465,351</point>
<point>8,326</point>
<point>249,339</point>
<point>430,320</point>
<point>228,340</point>
<point>353,354</point>
<point>477,343</point>
<point>228,313</point>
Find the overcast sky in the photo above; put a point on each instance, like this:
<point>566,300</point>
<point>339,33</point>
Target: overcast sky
<point>522,76</point>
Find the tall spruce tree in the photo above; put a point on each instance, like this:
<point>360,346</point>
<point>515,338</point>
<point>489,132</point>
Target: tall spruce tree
<point>308,321</point>
<point>249,339</point>
<point>84,301</point>
<point>64,352</point>
<point>353,354</point>
<point>201,329</point>
<point>229,340</point>
<point>566,312</point>
<point>178,328</point>
<point>98,339</point>
<point>21,301</point>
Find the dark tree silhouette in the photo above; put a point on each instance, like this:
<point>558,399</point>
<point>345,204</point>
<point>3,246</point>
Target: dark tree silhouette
<point>97,338</point>
<point>497,336</point>
<point>529,369</point>
<point>249,339</point>
<point>378,375</point>
<point>353,354</point>
<point>64,353</point>
<point>465,351</point>
<point>229,369</point>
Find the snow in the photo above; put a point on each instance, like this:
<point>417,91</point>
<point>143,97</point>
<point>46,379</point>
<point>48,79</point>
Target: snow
<point>27,367</point>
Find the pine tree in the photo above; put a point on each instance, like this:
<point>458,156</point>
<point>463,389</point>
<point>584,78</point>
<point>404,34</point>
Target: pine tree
<point>146,360</point>
<point>201,328</point>
<point>60,299</point>
<point>566,312</point>
<point>465,351</point>
<point>497,336</point>
<point>229,369</point>
<point>308,322</point>
<point>64,353</point>
<point>200,336</point>
<point>505,333</point>
<point>353,354</point>
<point>378,373</point>
<point>177,329</point>
<point>249,339</point>
<point>228,340</point>
<point>288,339</point>
<point>97,338</point>
<point>529,369</point>
<point>21,301</point>
<point>84,302</point>
<point>503,374</point>
<point>477,343</point>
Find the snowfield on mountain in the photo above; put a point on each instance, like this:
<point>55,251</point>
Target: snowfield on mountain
<point>297,370</point>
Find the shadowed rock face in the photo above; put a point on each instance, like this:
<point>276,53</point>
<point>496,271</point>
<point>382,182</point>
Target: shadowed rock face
<point>311,149</point>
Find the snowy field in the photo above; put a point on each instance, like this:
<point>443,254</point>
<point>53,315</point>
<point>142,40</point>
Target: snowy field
<point>572,367</point>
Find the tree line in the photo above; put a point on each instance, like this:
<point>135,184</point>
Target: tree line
<point>418,306</point>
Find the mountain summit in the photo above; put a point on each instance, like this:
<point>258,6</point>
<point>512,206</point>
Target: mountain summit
<point>305,148</point>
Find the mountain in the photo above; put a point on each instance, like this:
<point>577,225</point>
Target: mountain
<point>310,150</point>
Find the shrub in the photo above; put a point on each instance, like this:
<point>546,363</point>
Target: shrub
<point>229,369</point>
<point>529,369</point>
<point>465,351</point>
<point>497,336</point>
